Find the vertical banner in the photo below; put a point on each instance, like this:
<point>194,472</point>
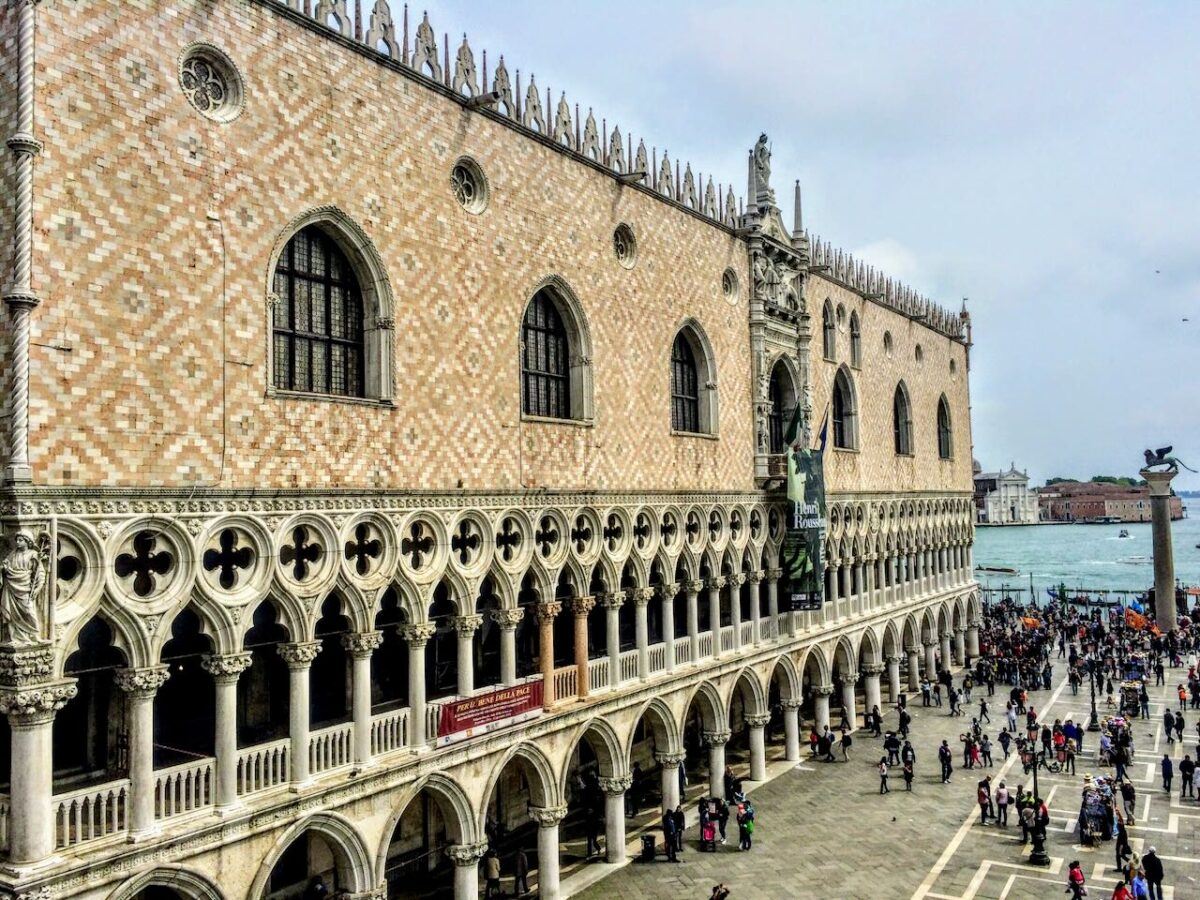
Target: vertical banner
<point>801,556</point>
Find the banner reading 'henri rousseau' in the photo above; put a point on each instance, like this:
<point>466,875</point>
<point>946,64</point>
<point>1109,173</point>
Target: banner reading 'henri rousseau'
<point>803,542</point>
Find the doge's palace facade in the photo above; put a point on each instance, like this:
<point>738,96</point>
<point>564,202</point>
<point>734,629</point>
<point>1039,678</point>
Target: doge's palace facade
<point>360,386</point>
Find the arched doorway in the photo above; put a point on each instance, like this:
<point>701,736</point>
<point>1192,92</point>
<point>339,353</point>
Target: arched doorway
<point>597,799</point>
<point>323,851</point>
<point>747,720</point>
<point>705,732</point>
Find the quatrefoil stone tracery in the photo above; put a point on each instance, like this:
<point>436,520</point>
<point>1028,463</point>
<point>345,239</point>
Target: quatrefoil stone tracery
<point>365,549</point>
<point>417,546</point>
<point>302,554</point>
<point>228,560</point>
<point>145,565</point>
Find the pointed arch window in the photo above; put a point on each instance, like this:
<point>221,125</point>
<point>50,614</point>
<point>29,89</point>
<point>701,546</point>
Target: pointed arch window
<point>783,406</point>
<point>545,360</point>
<point>828,332</point>
<point>844,407</point>
<point>855,341</point>
<point>685,389</point>
<point>944,432</point>
<point>901,422</point>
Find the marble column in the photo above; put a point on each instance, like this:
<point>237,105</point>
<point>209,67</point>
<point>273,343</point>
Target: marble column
<point>754,579</point>
<point>508,620</point>
<point>893,674</point>
<point>973,640</point>
<point>226,670</point>
<point>773,602</point>
<point>716,741</point>
<point>299,657</point>
<point>849,704</point>
<point>548,818</point>
<point>914,667</point>
<point>417,637</point>
<point>361,645</point>
<point>666,593</point>
<point>30,710</point>
<point>946,650</point>
<point>140,686</point>
<point>758,746</point>
<point>465,628</point>
<point>872,696</point>
<point>821,694</point>
<point>735,582</point>
<point>931,668</point>
<point>641,599</point>
<point>612,630</point>
<point>960,646</point>
<point>545,616</point>
<point>1166,614</point>
<point>465,858</point>
<point>791,729</point>
<point>669,774</point>
<point>714,586</point>
<point>614,816</point>
<point>834,585</point>
<point>580,607</point>
<point>693,589</point>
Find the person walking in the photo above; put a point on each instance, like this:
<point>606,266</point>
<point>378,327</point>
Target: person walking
<point>722,817</point>
<point>520,873</point>
<point>1002,800</point>
<point>668,827</point>
<point>908,776</point>
<point>1187,769</point>
<point>905,721</point>
<point>891,744</point>
<point>1168,772</point>
<point>985,750</point>
<point>1076,881</point>
<point>1153,868</point>
<point>983,796</point>
<point>926,690</point>
<point>1179,727</point>
<point>983,711</point>
<point>680,826</point>
<point>876,722</point>
<point>1005,741</point>
<point>846,742</point>
<point>883,776</point>
<point>1128,799</point>
<point>1168,726</point>
<point>491,875</point>
<point>946,758</point>
<point>1121,847</point>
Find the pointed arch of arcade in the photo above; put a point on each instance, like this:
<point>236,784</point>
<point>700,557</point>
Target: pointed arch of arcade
<point>609,750</point>
<point>754,698</point>
<point>713,711</point>
<point>893,644</point>
<point>453,803</point>
<point>543,786</point>
<point>127,636</point>
<point>845,656</point>
<point>354,865</point>
<point>814,655</point>
<point>869,649</point>
<point>790,681</point>
<point>181,881</point>
<point>663,725</point>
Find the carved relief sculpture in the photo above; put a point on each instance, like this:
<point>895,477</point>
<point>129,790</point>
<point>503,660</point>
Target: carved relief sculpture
<point>24,574</point>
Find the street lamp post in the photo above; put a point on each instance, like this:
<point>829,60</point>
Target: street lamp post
<point>1094,720</point>
<point>1038,855</point>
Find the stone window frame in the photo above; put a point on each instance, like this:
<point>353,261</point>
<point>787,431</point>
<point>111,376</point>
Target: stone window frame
<point>223,64</point>
<point>781,418</point>
<point>902,421</point>
<point>706,377</point>
<point>828,332</point>
<point>581,382</point>
<point>844,381</point>
<point>378,304</point>
<point>946,430</point>
<point>855,340</point>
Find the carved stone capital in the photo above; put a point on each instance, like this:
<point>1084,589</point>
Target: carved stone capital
<point>615,600</point>
<point>774,574</point>
<point>669,760</point>
<point>581,606</point>
<point>737,579</point>
<point>791,703</point>
<point>716,738</point>
<point>508,618</point>
<point>547,816</point>
<point>300,654</point>
<point>36,705</point>
<point>872,669</point>
<point>758,721</point>
<point>641,595</point>
<point>822,690</point>
<point>715,584</point>
<point>755,577</point>
<point>931,644</point>
<point>226,667</point>
<point>616,786</point>
<point>466,626</point>
<point>362,643</point>
<point>22,144</point>
<point>695,587</point>
<point>418,635</point>
<point>466,854</point>
<point>141,682</point>
<point>893,660</point>
<point>26,664</point>
<point>913,648</point>
<point>547,611</point>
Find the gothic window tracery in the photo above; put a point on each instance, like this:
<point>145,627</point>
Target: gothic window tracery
<point>545,360</point>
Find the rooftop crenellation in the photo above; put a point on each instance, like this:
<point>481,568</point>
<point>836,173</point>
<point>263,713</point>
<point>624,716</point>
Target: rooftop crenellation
<point>524,104</point>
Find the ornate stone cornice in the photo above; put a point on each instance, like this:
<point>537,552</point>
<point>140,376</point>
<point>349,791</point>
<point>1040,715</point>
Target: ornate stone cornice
<point>617,785</point>
<point>466,626</point>
<point>25,665</point>
<point>508,618</point>
<point>466,854</point>
<point>227,667</point>
<point>36,705</point>
<point>141,682</point>
<point>418,634</point>
<point>547,816</point>
<point>299,655</point>
<point>716,738</point>
<point>581,606</point>
<point>362,643</point>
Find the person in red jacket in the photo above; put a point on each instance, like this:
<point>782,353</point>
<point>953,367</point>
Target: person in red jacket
<point>1075,880</point>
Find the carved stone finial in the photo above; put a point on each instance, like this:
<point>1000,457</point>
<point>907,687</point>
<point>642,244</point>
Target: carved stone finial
<point>502,86</point>
<point>382,29</point>
<point>562,124</point>
<point>531,116</point>
<point>465,78</point>
<point>22,591</point>
<point>425,51</point>
<point>591,138</point>
<point>616,151</point>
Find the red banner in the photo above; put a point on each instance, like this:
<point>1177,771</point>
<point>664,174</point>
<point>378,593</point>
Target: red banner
<point>488,711</point>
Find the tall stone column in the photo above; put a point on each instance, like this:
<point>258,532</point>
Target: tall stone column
<point>693,618</point>
<point>614,816</point>
<point>831,567</point>
<point>914,667</point>
<point>548,818</point>
<point>140,686</point>
<point>226,670</point>
<point>508,620</point>
<point>931,668</point>
<point>612,630</point>
<point>869,587</point>
<point>735,582</point>
<point>946,651</point>
<point>821,694</point>
<point>754,579</point>
<point>30,709</point>
<point>417,636</point>
<point>773,601</point>
<point>668,764</point>
<point>299,657</point>
<point>960,646</point>
<point>361,645</point>
<point>641,599</point>
<point>716,741</point>
<point>714,611</point>
<point>580,607</point>
<point>1165,612</point>
<point>758,746</point>
<point>545,616</point>
<point>667,594</point>
<point>849,701</point>
<point>465,627</point>
<point>973,639</point>
<point>466,859</point>
<point>893,674</point>
<point>791,729</point>
<point>873,697</point>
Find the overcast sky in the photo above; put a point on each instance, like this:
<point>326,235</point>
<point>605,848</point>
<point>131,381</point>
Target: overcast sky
<point>1040,159</point>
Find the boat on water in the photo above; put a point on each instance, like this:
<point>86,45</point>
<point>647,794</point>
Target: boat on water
<point>999,570</point>
<point>1124,533</point>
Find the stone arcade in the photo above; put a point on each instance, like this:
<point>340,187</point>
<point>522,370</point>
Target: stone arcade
<point>347,383</point>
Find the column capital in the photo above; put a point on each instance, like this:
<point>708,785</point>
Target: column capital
<point>822,690</point>
<point>227,666</point>
<point>26,664</point>
<point>300,654</point>
<point>791,703</point>
<point>716,738</point>
<point>961,629</point>
<point>668,590</point>
<point>913,648</point>
<point>547,816</point>
<point>715,584</point>
<point>418,634</point>
<point>613,600</point>
<point>508,619</point>
<point>695,587</point>
<point>872,669</point>
<point>547,611</point>
<point>758,721</point>
<point>931,644</point>
<point>617,785</point>
<point>737,579</point>
<point>849,678</point>
<point>894,660</point>
<point>581,606</point>
<point>641,595</point>
<point>670,759</point>
<point>36,705</point>
<point>755,577</point>
<point>141,683</point>
<point>362,643</point>
<point>774,574</point>
<point>466,626</point>
<point>466,854</point>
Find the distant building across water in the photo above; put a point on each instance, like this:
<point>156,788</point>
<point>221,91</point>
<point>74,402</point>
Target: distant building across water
<point>1004,498</point>
<point>1089,501</point>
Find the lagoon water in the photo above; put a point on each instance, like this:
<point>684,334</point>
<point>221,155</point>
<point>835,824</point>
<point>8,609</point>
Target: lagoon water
<point>1088,556</point>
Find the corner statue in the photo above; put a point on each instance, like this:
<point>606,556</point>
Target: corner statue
<point>24,574</point>
<point>1161,457</point>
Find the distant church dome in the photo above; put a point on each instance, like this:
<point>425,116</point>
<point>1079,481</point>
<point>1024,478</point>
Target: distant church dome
<point>976,468</point>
